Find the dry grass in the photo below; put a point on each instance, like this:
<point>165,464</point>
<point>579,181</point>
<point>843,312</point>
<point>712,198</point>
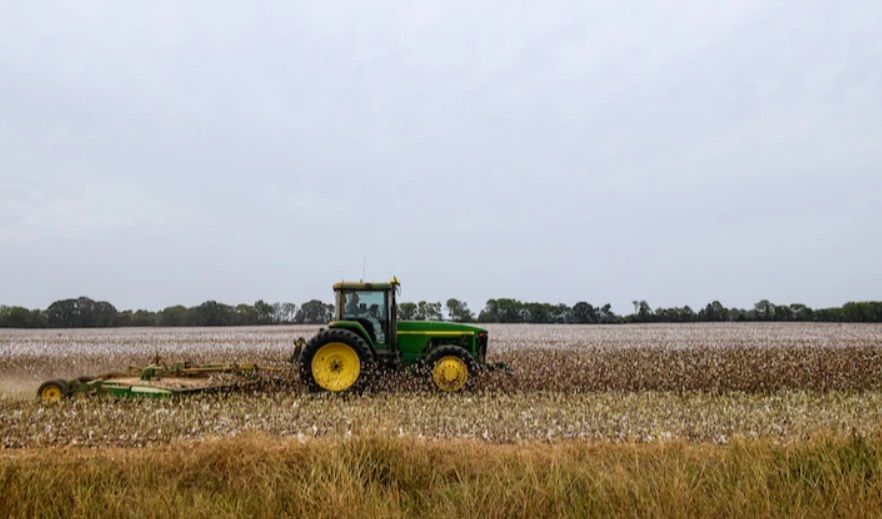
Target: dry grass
<point>255,476</point>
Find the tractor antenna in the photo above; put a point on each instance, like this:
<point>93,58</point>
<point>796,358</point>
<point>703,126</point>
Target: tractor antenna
<point>363,266</point>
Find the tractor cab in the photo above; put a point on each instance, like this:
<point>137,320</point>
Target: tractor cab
<point>370,305</point>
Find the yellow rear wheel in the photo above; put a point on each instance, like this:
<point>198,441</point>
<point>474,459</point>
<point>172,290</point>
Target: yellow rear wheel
<point>335,366</point>
<point>450,373</point>
<point>51,392</point>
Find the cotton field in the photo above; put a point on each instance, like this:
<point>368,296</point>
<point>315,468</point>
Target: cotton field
<point>702,382</point>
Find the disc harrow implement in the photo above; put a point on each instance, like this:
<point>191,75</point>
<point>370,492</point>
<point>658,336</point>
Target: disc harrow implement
<point>162,380</point>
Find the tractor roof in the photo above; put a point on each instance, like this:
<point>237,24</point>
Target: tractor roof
<point>361,285</point>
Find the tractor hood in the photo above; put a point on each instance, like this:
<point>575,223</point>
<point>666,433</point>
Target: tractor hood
<point>437,326</point>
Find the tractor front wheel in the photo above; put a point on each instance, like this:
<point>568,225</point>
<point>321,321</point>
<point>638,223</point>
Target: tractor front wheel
<point>452,368</point>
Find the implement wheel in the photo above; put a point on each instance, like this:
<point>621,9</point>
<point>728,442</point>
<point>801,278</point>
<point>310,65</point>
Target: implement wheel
<point>452,368</point>
<point>52,391</point>
<point>336,360</point>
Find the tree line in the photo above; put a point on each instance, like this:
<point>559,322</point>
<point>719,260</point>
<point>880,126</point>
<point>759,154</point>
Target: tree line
<point>83,312</point>
<point>506,310</point>
<point>764,310</point>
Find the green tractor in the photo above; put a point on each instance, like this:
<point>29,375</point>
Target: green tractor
<point>366,335</point>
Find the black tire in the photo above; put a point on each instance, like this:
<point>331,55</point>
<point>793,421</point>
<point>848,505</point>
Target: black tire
<point>58,383</point>
<point>446,350</point>
<point>353,340</point>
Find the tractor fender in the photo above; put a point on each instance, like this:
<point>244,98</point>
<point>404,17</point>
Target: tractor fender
<point>439,342</point>
<point>356,328</point>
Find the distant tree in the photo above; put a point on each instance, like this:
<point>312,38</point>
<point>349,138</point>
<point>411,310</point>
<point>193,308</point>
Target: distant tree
<point>740,314</point>
<point>175,316</point>
<point>490,313</point>
<point>407,311</point>
<point>688,314</point>
<point>428,311</point>
<point>584,313</point>
<point>721,312</point>
<point>63,314</point>
<point>862,312</point>
<point>765,310</point>
<point>667,315</point>
<point>39,319</point>
<point>607,316</point>
<point>20,317</point>
<point>714,311</point>
<point>536,313</point>
<point>212,313</point>
<point>458,311</point>
<point>15,317</point>
<point>127,318</point>
<point>314,312</point>
<point>642,312</point>
<point>800,312</point>
<point>245,314</point>
<point>80,313</point>
<point>561,314</point>
<point>505,310</point>
<point>511,311</point>
<point>284,313</point>
<point>103,314</point>
<point>452,305</point>
<point>123,319</point>
<point>782,313</point>
<point>830,315</point>
<point>263,312</point>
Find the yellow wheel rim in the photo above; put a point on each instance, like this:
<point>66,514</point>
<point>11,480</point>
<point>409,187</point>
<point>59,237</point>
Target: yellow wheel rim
<point>335,366</point>
<point>450,373</point>
<point>50,394</point>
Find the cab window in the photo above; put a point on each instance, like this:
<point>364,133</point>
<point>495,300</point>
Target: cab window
<point>367,305</point>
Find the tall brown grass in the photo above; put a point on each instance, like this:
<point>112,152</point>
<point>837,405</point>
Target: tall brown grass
<point>260,476</point>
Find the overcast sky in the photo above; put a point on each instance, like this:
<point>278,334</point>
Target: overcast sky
<point>165,152</point>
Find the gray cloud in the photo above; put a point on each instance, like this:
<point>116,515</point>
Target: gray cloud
<point>678,152</point>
